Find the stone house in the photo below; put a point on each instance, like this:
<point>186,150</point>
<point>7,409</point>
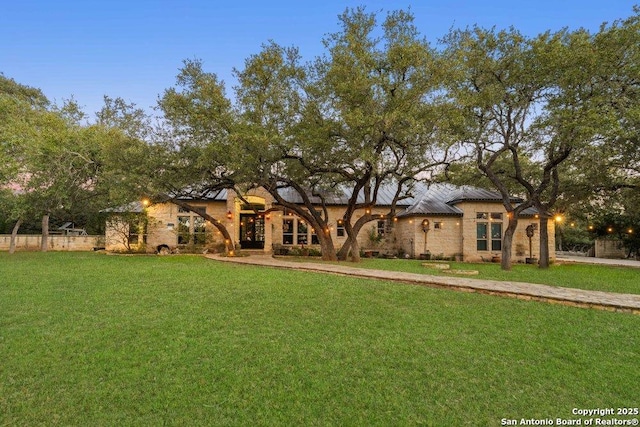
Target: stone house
<point>442,221</point>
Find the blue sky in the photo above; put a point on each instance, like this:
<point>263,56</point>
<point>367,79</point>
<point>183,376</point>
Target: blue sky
<point>133,49</point>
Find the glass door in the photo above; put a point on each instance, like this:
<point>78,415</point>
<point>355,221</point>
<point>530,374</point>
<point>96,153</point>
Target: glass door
<point>251,231</point>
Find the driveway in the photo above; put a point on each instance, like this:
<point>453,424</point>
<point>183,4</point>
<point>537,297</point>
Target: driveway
<point>600,261</point>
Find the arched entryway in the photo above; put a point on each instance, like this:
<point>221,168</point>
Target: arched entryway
<point>252,222</point>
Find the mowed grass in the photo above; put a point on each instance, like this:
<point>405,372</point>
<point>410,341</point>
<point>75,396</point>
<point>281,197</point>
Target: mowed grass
<point>570,275</point>
<point>90,339</point>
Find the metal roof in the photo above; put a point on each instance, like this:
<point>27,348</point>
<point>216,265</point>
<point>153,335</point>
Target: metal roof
<point>434,201</point>
<point>470,193</point>
<point>442,198</point>
<point>211,195</point>
<point>340,196</point>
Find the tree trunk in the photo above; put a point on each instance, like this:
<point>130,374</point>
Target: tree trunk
<point>230,247</point>
<point>344,250</point>
<point>507,243</point>
<point>544,242</point>
<point>355,251</point>
<point>44,243</point>
<point>351,244</point>
<point>14,236</point>
<point>326,247</point>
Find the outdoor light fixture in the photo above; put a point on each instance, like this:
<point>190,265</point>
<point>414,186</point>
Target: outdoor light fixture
<point>229,215</point>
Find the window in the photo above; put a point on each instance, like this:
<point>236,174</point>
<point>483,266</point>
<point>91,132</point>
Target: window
<point>137,232</point>
<point>184,228</point>
<point>481,235</point>
<point>496,236</point>
<point>302,233</point>
<point>297,231</point>
<point>199,231</point>
<point>340,228</point>
<point>381,228</point>
<point>489,235</point>
<point>287,231</point>
<point>192,228</point>
<point>437,225</point>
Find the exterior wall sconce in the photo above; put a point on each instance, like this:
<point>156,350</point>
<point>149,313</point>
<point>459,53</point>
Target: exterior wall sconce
<point>229,215</point>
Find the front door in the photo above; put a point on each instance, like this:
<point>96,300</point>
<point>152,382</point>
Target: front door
<point>251,231</point>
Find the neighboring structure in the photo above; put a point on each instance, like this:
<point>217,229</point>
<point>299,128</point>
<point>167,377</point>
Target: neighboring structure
<point>32,242</point>
<point>609,247</point>
<point>444,221</point>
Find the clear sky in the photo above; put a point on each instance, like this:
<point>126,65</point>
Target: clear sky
<point>134,48</point>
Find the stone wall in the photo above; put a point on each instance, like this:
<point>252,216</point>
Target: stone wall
<point>445,240</point>
<point>609,248</point>
<point>453,236</point>
<point>31,242</point>
<point>448,236</point>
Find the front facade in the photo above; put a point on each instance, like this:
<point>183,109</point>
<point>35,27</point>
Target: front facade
<point>444,221</point>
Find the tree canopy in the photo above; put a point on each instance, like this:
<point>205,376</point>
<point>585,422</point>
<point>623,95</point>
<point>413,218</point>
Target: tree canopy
<point>551,119</point>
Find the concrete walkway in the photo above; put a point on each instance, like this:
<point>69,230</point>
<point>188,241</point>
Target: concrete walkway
<point>600,261</point>
<point>529,291</point>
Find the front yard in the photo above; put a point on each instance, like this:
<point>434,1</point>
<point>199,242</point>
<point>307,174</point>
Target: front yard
<point>90,339</point>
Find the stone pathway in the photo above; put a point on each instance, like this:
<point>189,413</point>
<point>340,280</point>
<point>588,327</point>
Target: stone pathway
<point>601,261</point>
<point>529,291</point>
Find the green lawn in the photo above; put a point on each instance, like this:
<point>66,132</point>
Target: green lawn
<point>581,276</point>
<point>90,339</point>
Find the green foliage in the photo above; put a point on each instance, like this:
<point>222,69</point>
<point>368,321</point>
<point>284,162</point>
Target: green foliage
<point>57,164</point>
<point>619,225</point>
